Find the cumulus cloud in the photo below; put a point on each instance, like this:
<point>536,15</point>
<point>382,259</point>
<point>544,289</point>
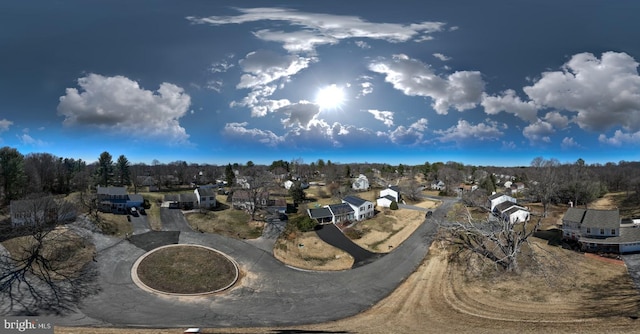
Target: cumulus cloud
<point>239,131</point>
<point>556,119</point>
<point>5,124</point>
<point>619,138</point>
<point>321,29</point>
<point>385,117</point>
<point>299,114</point>
<point>511,103</point>
<point>120,105</point>
<point>441,57</point>
<point>410,135</point>
<point>604,92</point>
<point>539,131</point>
<point>465,131</point>
<point>461,90</point>
<point>569,143</point>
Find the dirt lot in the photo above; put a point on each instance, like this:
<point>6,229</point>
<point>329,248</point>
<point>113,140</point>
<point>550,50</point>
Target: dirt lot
<point>567,293</point>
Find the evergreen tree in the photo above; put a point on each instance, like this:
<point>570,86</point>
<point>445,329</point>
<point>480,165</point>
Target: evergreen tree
<point>12,175</point>
<point>229,175</point>
<point>122,170</point>
<point>105,168</point>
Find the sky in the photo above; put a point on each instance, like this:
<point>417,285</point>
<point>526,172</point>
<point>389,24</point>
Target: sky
<point>490,83</point>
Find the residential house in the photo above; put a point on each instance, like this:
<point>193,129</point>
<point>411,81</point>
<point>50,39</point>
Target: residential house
<point>517,187</point>
<point>438,185</point>
<point>498,198</point>
<point>362,209</point>
<point>342,213</point>
<point>393,191</point>
<point>117,200</point>
<point>244,199</point>
<point>44,210</point>
<point>185,201</point>
<point>505,207</point>
<point>600,231</point>
<point>205,197</point>
<point>321,215</point>
<point>385,202</point>
<point>361,183</point>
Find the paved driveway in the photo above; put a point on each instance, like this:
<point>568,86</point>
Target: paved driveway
<point>333,236</point>
<point>174,220</point>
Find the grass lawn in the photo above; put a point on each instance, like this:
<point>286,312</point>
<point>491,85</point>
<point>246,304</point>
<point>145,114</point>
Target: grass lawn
<point>114,224</point>
<point>228,222</point>
<point>186,269</point>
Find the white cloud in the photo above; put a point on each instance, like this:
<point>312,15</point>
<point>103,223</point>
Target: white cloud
<point>465,131</point>
<point>511,103</point>
<point>411,135</point>
<point>26,139</point>
<point>619,138</point>
<point>120,105</point>
<point>264,67</point>
<point>461,90</point>
<point>5,124</point>
<point>556,119</point>
<point>299,113</point>
<point>239,131</point>
<point>320,29</point>
<point>363,45</point>
<point>385,117</point>
<point>569,143</point>
<point>508,145</point>
<point>441,57</point>
<point>539,131</point>
<point>604,92</point>
<point>264,71</point>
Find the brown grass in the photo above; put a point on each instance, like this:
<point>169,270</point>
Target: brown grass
<point>185,269</point>
<point>229,222</point>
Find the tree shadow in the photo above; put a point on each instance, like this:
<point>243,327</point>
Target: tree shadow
<point>616,297</point>
<point>36,296</point>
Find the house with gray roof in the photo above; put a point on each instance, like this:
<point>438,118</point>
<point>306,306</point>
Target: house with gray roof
<point>362,208</point>
<point>600,231</point>
<point>116,199</point>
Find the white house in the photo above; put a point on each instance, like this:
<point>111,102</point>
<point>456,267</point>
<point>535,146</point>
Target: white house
<point>393,191</point>
<point>206,197</point>
<point>498,198</point>
<point>287,184</point>
<point>361,183</point>
<point>384,202</point>
<point>362,209</point>
<point>506,208</point>
<point>438,185</point>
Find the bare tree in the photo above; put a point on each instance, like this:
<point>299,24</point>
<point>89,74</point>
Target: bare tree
<point>45,268</point>
<point>545,186</point>
<point>496,240</point>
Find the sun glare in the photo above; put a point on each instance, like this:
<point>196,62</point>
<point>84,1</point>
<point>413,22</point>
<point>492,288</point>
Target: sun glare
<point>330,97</point>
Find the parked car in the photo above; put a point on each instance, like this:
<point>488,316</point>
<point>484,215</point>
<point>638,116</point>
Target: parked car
<point>134,212</point>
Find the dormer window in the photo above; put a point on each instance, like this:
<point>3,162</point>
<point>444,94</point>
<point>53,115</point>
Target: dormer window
<point>613,231</point>
<point>602,231</point>
<point>588,230</point>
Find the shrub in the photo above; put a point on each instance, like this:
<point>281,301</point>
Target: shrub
<point>394,205</point>
<point>353,234</point>
<point>304,223</point>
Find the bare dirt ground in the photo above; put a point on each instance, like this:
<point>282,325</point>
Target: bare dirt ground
<point>567,292</point>
<point>308,251</point>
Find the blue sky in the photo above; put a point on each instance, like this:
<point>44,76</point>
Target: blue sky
<point>478,82</point>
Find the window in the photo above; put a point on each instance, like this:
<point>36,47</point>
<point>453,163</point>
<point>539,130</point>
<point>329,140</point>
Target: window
<point>613,231</point>
<point>601,231</point>
<point>588,230</point>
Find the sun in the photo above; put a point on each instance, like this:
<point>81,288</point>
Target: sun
<point>330,97</point>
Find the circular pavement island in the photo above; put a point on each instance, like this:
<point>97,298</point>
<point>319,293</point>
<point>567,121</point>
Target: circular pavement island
<point>185,270</point>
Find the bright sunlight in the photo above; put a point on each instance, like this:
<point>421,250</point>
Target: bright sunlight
<point>330,97</point>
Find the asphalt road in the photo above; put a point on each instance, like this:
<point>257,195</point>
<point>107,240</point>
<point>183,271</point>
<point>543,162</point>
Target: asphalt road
<point>269,294</point>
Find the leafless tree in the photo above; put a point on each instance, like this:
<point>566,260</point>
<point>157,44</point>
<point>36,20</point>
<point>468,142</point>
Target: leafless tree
<point>411,189</point>
<point>43,270</point>
<point>545,186</point>
<point>496,240</point>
